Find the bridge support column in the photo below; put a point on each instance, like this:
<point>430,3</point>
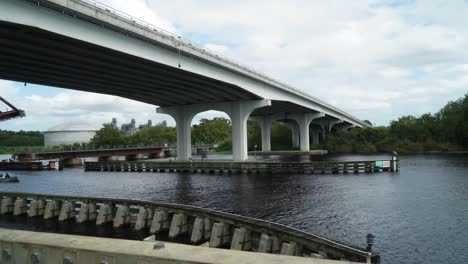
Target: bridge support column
<point>347,127</point>
<point>265,127</point>
<point>332,123</point>
<point>183,116</point>
<point>315,136</point>
<point>238,111</point>
<point>71,162</point>
<point>294,133</point>
<point>304,120</point>
<point>134,157</point>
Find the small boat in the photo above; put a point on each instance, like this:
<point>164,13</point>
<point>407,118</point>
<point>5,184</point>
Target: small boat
<point>8,178</point>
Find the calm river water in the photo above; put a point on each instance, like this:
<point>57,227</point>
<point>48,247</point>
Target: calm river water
<point>419,215</point>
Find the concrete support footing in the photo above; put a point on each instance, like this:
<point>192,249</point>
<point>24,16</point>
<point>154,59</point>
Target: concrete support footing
<point>264,246</point>
<point>134,157</point>
<point>160,222</point>
<point>288,249</point>
<point>201,230</point>
<point>220,235</point>
<point>52,209</point>
<point>71,162</point>
<point>20,207</point>
<point>36,208</point>
<point>104,214</point>
<point>6,206</point>
<point>241,239</point>
<point>108,158</point>
<point>67,211</point>
<point>142,217</point>
<point>179,225</point>
<point>87,212</point>
<point>122,217</point>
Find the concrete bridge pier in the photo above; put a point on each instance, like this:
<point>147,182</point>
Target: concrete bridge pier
<point>71,162</point>
<point>134,157</point>
<point>331,124</point>
<point>238,111</point>
<point>108,158</point>
<point>303,121</point>
<point>315,136</point>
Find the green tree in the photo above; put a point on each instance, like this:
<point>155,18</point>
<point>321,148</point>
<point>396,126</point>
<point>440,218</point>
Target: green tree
<point>107,137</point>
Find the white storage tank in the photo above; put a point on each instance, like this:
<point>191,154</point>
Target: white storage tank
<point>68,134</point>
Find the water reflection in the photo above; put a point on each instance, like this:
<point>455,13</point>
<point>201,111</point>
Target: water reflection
<point>419,215</point>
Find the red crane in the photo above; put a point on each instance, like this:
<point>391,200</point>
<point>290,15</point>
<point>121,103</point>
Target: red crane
<point>9,114</point>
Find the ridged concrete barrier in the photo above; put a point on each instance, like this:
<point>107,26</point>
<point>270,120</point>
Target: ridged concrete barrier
<point>200,226</point>
<point>21,247</point>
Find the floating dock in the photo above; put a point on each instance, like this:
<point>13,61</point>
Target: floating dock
<point>267,167</point>
<point>198,226</point>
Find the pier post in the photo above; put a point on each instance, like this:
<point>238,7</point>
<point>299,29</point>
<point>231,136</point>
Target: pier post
<point>6,206</point>
<point>36,208</point>
<point>220,235</point>
<point>265,244</point>
<point>241,239</point>
<point>67,211</point>
<point>179,225</point>
<point>141,218</point>
<point>52,209</point>
<point>122,217</point>
<point>160,222</point>
<point>87,212</point>
<point>288,249</point>
<point>105,214</point>
<point>197,231</point>
<point>20,206</point>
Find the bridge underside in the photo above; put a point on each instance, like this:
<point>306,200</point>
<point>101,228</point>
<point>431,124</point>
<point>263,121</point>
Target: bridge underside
<point>33,55</point>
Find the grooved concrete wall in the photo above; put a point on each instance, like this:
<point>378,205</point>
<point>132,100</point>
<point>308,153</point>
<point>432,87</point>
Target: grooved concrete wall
<point>21,246</point>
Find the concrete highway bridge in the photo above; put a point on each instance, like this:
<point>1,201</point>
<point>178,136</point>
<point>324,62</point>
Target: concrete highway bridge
<point>87,46</point>
<point>135,153</point>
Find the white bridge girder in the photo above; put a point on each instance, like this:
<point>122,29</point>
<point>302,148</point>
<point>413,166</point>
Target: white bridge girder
<point>77,45</point>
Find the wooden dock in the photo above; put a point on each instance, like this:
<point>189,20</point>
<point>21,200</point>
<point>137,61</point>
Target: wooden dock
<point>266,167</point>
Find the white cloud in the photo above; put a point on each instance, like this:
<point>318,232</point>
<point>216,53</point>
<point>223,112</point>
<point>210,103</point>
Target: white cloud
<point>375,59</point>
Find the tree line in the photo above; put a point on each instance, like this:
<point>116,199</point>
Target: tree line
<point>446,130</point>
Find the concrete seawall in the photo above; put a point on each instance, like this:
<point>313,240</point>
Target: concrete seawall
<point>20,247</point>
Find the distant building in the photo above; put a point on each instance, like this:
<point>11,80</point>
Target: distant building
<point>68,134</point>
<point>149,124</point>
<point>112,124</point>
<point>127,129</point>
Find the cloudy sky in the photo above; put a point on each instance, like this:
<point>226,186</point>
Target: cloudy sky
<point>376,59</point>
